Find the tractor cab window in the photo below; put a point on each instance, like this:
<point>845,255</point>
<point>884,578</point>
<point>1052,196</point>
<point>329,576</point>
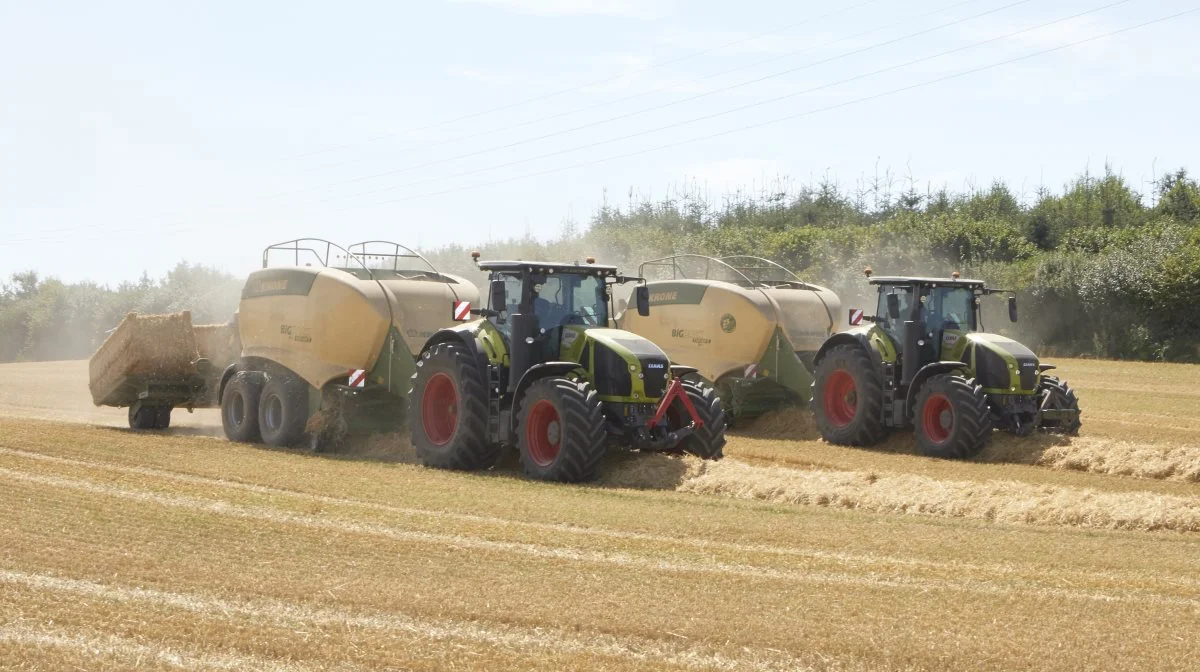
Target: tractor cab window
<point>569,298</point>
<point>948,308</point>
<point>894,327</point>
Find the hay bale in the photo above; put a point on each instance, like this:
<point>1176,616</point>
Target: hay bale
<point>219,343</point>
<point>162,346</point>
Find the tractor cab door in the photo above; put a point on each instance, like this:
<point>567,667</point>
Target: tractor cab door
<point>893,325</point>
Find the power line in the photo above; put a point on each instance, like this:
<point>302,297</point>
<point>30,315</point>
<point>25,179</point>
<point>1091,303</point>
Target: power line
<point>609,103</point>
<point>732,110</point>
<point>790,117</point>
<point>661,106</point>
<point>605,80</point>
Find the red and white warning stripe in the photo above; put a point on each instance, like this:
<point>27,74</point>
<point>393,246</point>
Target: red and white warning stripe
<point>462,311</point>
<point>751,371</point>
<point>856,315</point>
<point>358,378</point>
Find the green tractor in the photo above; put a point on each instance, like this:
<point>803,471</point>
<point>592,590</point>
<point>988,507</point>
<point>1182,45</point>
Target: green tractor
<point>542,370</point>
<point>924,361</point>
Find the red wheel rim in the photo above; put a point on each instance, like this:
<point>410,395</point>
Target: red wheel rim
<point>937,418</point>
<point>439,409</point>
<point>543,433</point>
<point>841,398</point>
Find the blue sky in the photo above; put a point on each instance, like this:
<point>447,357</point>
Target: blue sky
<point>137,134</point>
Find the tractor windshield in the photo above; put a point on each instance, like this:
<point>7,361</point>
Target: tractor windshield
<point>570,298</point>
<point>948,308</point>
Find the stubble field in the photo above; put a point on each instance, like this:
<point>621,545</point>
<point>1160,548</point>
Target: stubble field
<point>180,550</point>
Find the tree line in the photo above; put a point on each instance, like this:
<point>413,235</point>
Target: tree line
<point>1101,269</point>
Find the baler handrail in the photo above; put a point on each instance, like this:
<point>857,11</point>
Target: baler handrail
<point>307,245</point>
<point>789,276</point>
<point>359,250</point>
<point>677,273</point>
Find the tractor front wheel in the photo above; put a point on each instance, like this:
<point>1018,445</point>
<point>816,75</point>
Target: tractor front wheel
<point>951,418</point>
<point>560,430</point>
<point>448,417</point>
<point>707,442</point>
<point>848,398</point>
<point>1058,396</point>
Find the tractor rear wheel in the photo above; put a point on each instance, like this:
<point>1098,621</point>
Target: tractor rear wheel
<point>239,409</point>
<point>283,411</point>
<point>848,398</point>
<point>951,418</point>
<point>707,442</point>
<point>1057,395</point>
<point>449,413</point>
<point>560,430</point>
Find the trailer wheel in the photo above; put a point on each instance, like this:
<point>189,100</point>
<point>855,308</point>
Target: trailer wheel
<point>448,418</point>
<point>707,442</point>
<point>560,430</point>
<point>848,398</point>
<point>951,418</point>
<point>282,411</point>
<point>143,417</point>
<point>239,409</point>
<point>162,417</point>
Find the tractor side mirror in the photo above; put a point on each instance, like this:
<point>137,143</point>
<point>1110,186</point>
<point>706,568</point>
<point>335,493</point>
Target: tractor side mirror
<point>642,293</point>
<point>498,295</point>
<point>893,305</point>
<point>1012,309</point>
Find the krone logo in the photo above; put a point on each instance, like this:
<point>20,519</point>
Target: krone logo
<point>728,323</point>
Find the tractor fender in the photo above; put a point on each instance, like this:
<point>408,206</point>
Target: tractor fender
<point>844,339</point>
<point>1042,368</point>
<point>925,373</point>
<point>460,336</point>
<point>679,371</point>
<point>532,375</point>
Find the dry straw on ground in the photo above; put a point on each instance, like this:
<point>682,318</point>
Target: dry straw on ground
<point>159,345</point>
<point>999,501</point>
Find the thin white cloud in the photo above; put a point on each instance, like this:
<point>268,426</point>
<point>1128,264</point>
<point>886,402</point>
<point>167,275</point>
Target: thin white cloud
<point>636,9</point>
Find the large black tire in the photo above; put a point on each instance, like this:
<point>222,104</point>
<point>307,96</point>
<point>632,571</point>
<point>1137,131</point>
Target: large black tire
<point>1058,395</point>
<point>283,411</point>
<point>560,430</point>
<point>848,398</point>
<point>144,417</point>
<point>162,417</point>
<point>449,418</point>
<point>951,418</point>
<point>239,409</point>
<point>707,442</point>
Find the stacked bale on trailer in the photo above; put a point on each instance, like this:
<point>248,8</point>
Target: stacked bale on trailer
<point>154,363</point>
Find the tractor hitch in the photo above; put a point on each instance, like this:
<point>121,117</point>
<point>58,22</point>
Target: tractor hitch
<point>675,391</point>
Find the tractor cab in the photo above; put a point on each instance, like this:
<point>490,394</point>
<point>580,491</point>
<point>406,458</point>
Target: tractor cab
<point>943,311</point>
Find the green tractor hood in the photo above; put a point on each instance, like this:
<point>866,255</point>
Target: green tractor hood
<point>1001,365</point>
<point>625,367</point>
